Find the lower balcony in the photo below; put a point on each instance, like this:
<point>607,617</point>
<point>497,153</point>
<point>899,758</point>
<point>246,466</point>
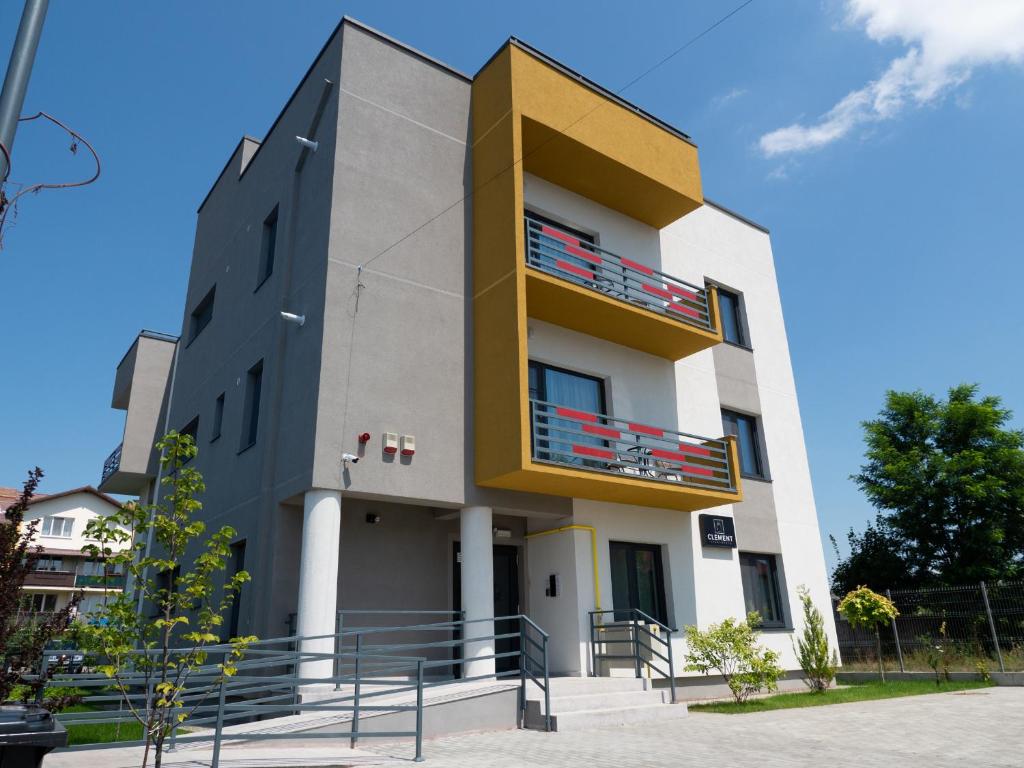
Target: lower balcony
<point>595,456</point>
<point>50,579</point>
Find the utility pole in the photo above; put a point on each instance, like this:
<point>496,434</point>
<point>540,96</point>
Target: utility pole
<point>18,71</point>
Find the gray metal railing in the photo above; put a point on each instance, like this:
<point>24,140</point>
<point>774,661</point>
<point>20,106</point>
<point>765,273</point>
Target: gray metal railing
<point>631,627</point>
<point>557,252</point>
<point>600,443</point>
<point>112,464</point>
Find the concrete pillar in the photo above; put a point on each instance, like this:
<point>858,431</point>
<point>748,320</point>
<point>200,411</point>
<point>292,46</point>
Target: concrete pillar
<point>477,549</point>
<point>318,577</point>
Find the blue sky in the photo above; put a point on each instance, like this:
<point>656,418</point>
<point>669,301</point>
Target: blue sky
<point>879,141</point>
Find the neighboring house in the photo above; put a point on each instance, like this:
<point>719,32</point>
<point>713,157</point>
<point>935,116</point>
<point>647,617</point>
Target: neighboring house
<point>63,570</point>
<point>563,370</point>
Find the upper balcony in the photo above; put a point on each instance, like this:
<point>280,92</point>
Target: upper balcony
<point>579,285</point>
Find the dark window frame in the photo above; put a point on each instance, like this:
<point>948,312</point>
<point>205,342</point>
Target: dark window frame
<point>758,445</point>
<point>632,547</point>
<point>776,588</point>
<point>251,412</point>
<point>540,367</point>
<point>218,417</point>
<point>739,316</point>
<point>201,316</point>
<point>268,248</point>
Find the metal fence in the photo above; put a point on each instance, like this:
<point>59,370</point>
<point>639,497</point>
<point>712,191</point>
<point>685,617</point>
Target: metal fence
<point>963,629</point>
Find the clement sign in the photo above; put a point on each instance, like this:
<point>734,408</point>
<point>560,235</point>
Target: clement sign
<point>717,531</point>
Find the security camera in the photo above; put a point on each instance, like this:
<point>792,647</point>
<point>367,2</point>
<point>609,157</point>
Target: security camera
<point>347,457</point>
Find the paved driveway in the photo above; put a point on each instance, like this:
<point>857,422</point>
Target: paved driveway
<point>968,730</point>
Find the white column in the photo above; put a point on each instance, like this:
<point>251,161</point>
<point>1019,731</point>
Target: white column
<point>477,549</point>
<point>318,578</point>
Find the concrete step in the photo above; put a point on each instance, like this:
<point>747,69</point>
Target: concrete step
<point>579,686</point>
<point>585,719</point>
<point>605,700</point>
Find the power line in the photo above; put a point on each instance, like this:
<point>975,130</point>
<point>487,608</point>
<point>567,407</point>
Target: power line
<point>721,20</point>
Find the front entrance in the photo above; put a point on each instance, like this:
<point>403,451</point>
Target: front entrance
<point>637,580</point>
<point>506,600</point>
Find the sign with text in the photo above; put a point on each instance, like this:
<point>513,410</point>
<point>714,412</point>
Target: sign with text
<point>717,531</point>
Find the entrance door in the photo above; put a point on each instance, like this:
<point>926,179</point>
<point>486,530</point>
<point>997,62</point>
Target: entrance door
<point>506,601</point>
<point>637,579</point>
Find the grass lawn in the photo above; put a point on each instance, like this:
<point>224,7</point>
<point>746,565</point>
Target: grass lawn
<point>855,692</point>
<point>100,733</point>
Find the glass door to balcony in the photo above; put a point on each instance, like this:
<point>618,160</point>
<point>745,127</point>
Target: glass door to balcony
<point>554,438</point>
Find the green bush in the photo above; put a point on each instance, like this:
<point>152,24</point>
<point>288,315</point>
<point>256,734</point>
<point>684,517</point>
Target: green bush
<point>731,649</point>
<point>812,651</point>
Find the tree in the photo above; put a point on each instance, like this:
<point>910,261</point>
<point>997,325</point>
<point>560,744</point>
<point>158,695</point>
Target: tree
<point>731,649</point>
<point>188,605</point>
<point>947,477</point>
<point>865,609</point>
<point>23,638</point>
<point>875,557</point>
<point>812,651</point>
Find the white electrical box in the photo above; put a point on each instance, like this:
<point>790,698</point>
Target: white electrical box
<point>390,442</point>
<point>408,445</point>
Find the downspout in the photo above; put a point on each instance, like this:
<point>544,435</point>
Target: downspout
<point>593,553</point>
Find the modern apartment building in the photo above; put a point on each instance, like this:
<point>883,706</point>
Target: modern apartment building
<point>563,371</point>
<point>63,570</point>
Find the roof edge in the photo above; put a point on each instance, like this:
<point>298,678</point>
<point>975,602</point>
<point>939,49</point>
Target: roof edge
<point>737,216</point>
<point>82,489</point>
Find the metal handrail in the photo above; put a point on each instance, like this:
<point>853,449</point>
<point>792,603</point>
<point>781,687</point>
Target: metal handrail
<point>601,443</point>
<point>557,252</point>
<point>112,463</point>
<point>634,625</point>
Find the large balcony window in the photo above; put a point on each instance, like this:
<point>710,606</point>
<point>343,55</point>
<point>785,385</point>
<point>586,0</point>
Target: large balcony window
<point>573,256</point>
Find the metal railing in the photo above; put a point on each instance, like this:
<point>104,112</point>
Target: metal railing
<point>631,627</point>
<point>557,252</point>
<point>600,443</point>
<point>112,464</point>
<point>110,581</point>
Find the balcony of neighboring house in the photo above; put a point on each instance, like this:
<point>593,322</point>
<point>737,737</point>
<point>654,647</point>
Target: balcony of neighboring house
<point>48,578</point>
<point>140,390</point>
<point>99,581</point>
<point>573,282</point>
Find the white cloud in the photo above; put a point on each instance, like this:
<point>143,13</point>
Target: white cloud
<point>724,98</point>
<point>945,39</point>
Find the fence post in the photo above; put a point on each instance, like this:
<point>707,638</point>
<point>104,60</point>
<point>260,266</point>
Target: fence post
<point>671,664</point>
<point>992,626</point>
<point>215,762</point>
<point>547,688</point>
<point>522,673</point>
<point>355,703</point>
<point>636,645</point>
<point>593,645</point>
<point>338,645</point>
<point>419,712</point>
<point>896,634</point>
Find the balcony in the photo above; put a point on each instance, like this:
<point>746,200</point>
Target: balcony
<point>112,464</point>
<point>579,285</point>
<point>50,579</point>
<point>95,581</point>
<point>596,456</point>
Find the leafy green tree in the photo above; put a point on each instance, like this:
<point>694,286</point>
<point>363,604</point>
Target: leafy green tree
<point>865,609</point>
<point>816,660</point>
<point>731,649</point>
<point>947,477</point>
<point>189,605</point>
<point>876,557</point>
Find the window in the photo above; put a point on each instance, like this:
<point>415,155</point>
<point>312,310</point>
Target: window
<point>268,245</point>
<point>236,564</point>
<point>201,315</point>
<point>637,580</point>
<point>570,390</point>
<point>60,527</point>
<point>760,577</point>
<point>251,421</point>
<point>731,309</point>
<point>747,439</point>
<point>50,564</point>
<point>38,603</point>
<point>218,416</point>
<point>99,568</point>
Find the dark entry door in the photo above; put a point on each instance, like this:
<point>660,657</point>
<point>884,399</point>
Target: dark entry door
<point>506,601</point>
<point>637,579</point>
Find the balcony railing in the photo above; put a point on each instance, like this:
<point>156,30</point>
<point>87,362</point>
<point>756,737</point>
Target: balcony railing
<point>113,581</point>
<point>112,464</point>
<point>50,579</point>
<point>559,253</point>
<point>597,443</point>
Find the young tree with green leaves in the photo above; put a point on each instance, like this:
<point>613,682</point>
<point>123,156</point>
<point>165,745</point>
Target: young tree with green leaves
<point>947,477</point>
<point>189,600</point>
<point>816,660</point>
<point>865,609</point>
<point>731,649</point>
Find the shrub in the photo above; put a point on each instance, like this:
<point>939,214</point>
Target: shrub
<point>812,651</point>
<point>731,649</point>
<point>867,609</point>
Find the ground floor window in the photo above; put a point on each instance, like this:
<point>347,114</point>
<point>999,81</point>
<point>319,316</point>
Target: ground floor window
<point>38,603</point>
<point>761,591</point>
<point>638,580</point>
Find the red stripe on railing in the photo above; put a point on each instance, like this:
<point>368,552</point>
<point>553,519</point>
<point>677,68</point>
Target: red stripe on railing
<point>586,450</point>
<point>560,235</point>
<point>698,470</point>
<point>571,414</point>
<point>567,267</point>
<point>672,456</point>
<point>682,292</point>
<point>603,431</point>
<point>657,291</point>
<point>645,430</point>
<point>633,265</point>
<point>684,310</point>
<point>694,449</point>
<point>588,255</point>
